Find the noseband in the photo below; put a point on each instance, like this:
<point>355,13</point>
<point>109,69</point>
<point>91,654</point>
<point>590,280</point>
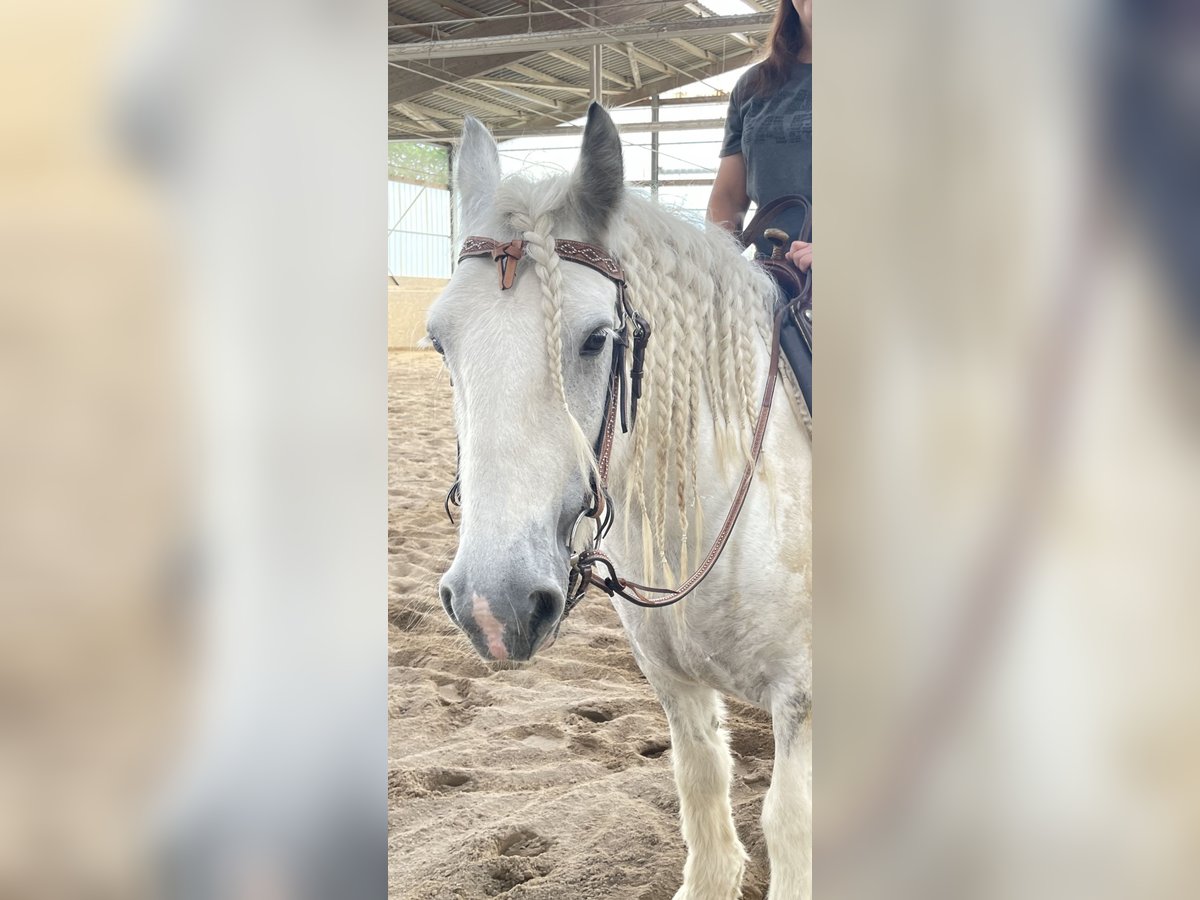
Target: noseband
<point>632,330</point>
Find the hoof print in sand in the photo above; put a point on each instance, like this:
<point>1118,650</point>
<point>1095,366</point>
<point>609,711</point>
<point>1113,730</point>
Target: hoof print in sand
<point>419,783</point>
<point>588,744</point>
<point>658,892</point>
<point>546,738</point>
<point>450,694</point>
<point>653,749</point>
<point>593,712</point>
<point>447,779</point>
<point>508,872</point>
<point>506,876</point>
<point>523,842</point>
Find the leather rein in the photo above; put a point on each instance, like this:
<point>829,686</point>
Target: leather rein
<point>622,400</point>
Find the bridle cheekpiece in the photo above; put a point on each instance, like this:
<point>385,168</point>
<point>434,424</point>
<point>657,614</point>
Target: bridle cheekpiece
<point>632,333</point>
<point>624,392</point>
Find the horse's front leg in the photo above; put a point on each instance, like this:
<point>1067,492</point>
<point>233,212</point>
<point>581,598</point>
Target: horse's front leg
<point>787,809</point>
<point>703,766</point>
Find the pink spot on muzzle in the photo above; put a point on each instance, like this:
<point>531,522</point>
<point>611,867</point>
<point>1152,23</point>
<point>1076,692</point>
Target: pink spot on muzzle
<point>493,630</point>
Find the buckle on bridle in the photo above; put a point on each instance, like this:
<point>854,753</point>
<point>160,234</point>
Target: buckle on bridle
<point>507,255</point>
<point>599,512</point>
<point>583,565</point>
<point>579,576</point>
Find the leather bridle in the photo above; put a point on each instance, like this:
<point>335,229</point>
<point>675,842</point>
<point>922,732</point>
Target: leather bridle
<point>622,400</point>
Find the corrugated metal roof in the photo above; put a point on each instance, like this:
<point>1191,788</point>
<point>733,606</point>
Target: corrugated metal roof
<point>509,92</point>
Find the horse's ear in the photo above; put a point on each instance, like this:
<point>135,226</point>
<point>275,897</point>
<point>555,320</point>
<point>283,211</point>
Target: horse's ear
<point>477,174</point>
<point>599,180</point>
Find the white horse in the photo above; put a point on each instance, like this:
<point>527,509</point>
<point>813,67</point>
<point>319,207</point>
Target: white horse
<point>530,368</point>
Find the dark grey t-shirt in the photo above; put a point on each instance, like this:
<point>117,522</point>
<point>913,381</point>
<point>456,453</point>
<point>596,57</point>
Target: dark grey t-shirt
<point>773,132</point>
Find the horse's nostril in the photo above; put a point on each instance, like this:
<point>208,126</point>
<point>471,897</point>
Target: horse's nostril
<point>448,603</point>
<point>546,606</point>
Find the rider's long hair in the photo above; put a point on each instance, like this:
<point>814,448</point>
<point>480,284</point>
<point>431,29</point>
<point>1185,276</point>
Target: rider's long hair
<point>783,49</point>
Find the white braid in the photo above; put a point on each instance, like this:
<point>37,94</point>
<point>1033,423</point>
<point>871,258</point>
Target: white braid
<point>539,246</point>
<point>706,309</point>
<point>664,385</point>
<point>682,331</point>
<point>643,278</point>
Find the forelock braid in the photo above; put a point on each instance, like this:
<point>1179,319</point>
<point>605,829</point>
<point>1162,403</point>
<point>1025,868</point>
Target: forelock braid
<point>539,246</point>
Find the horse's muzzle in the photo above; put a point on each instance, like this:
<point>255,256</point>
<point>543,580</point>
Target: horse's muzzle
<point>505,620</point>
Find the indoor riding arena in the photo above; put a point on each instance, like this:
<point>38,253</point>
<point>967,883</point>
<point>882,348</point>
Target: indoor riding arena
<point>550,780</point>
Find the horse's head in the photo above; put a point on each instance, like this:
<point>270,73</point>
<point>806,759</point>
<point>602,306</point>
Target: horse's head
<point>530,367</point>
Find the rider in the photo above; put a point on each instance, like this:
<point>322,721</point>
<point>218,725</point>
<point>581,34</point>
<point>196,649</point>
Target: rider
<point>767,151</point>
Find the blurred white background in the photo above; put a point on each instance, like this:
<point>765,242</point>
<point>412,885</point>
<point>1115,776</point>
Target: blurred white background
<point>192,449</point>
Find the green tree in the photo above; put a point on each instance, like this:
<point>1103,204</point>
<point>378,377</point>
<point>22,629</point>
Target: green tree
<point>418,163</point>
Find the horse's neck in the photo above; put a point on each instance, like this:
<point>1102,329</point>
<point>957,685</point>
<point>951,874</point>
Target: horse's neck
<point>719,464</point>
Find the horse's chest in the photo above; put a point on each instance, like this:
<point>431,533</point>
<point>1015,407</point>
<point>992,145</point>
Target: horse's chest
<point>719,650</point>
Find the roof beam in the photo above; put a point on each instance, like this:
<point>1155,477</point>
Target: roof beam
<point>649,61</point>
<point>445,121</point>
<point>507,88</point>
<point>459,10</point>
<point>535,74</point>
<point>709,99</point>
<point>480,103</point>
<point>559,86</point>
<point>630,128</point>
<point>705,10</point>
<point>575,37</point>
<point>552,124</point>
<point>659,85</point>
<point>411,81</point>
<point>425,111</point>
<point>651,87</point>
<point>419,115</point>
<point>633,65</point>
<point>694,50</point>
<point>503,134</point>
<point>587,67</point>
<point>406,25</point>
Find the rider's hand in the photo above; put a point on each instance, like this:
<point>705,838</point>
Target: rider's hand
<point>801,255</point>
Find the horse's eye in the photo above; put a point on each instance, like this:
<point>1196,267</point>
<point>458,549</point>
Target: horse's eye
<point>437,345</point>
<point>595,342</point>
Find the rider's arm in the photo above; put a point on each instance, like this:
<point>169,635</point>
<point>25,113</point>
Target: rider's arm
<point>729,201</point>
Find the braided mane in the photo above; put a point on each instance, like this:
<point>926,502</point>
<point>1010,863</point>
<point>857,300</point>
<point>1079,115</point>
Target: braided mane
<point>706,307</point>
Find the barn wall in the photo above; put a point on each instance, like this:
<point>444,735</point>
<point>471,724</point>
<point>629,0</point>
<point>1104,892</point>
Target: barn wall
<point>408,303</point>
<point>418,230</point>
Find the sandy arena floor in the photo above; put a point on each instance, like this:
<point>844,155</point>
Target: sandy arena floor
<point>549,782</point>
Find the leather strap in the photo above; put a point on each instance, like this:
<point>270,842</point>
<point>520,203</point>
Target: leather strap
<point>753,232</point>
<point>508,253</point>
<point>507,256</point>
<point>613,584</point>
